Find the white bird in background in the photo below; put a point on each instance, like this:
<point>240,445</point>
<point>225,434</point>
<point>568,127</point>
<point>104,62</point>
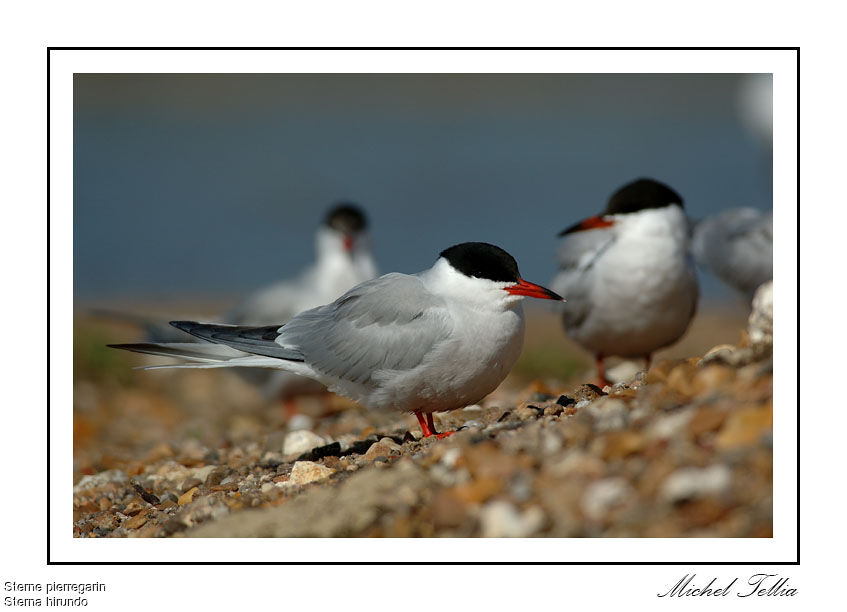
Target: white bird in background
<point>344,259</point>
<point>434,341</point>
<point>630,283</point>
<point>736,245</point>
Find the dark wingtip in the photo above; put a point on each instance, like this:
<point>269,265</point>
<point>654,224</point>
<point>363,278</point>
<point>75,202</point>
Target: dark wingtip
<point>183,325</point>
<point>135,348</point>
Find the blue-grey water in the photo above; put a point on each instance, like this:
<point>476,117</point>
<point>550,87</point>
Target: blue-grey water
<point>214,184</point>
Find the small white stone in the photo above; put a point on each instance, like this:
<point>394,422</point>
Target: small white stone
<point>670,425</point>
<point>622,372</point>
<point>203,472</point>
<point>551,443</point>
<point>301,441</point>
<point>300,421</point>
<point>92,481</point>
<point>500,519</point>
<point>451,456</point>
<point>305,472</point>
<point>693,482</point>
<point>604,495</point>
<point>391,444</point>
<point>760,323</point>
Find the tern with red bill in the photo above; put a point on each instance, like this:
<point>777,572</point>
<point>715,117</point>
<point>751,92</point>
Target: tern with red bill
<point>630,282</point>
<point>430,342</point>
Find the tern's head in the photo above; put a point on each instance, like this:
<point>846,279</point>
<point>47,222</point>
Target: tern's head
<point>642,197</point>
<point>344,230</point>
<point>479,270</point>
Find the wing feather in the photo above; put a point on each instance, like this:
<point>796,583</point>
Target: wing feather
<point>389,323</point>
<point>577,253</point>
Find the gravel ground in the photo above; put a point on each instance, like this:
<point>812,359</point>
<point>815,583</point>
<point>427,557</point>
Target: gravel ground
<point>684,450</point>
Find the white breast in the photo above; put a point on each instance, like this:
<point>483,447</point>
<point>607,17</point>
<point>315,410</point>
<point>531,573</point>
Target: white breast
<point>641,292</point>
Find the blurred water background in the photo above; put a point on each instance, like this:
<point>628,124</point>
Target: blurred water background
<point>212,185</point>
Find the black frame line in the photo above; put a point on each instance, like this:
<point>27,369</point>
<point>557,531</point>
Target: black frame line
<point>589,563</point>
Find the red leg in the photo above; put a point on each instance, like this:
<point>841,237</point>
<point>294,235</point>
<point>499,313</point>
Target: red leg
<point>428,426</point>
<point>601,372</point>
<point>427,432</point>
<point>289,407</point>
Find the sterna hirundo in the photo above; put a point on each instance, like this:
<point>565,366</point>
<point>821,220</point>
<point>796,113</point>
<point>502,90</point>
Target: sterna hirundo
<point>344,259</point>
<point>629,281</point>
<point>430,342</point>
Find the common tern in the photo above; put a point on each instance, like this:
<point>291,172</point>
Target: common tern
<point>736,245</point>
<point>344,259</point>
<point>430,342</point>
<point>630,284</point>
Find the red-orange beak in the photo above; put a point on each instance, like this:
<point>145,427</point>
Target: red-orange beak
<point>595,222</point>
<point>532,290</point>
<point>348,243</point>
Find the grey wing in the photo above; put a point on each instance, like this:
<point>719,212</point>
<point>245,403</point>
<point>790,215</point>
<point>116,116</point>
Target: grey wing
<point>576,254</point>
<point>388,323</point>
<point>737,246</point>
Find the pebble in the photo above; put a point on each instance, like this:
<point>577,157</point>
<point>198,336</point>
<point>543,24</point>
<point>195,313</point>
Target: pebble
<point>746,427</point>
<point>94,481</point>
<point>384,448</point>
<point>448,510</point>
<point>760,323</point>
<point>302,441</point>
<point>713,378</point>
<point>305,472</point>
<point>670,425</point>
<point>300,421</point>
<point>501,519</point>
<point>190,483</point>
<point>621,444</point>
<point>624,371</point>
<point>693,482</point>
<point>216,476</point>
<point>202,473</point>
<point>186,497</point>
<point>608,413</point>
<point>588,392</point>
<point>604,495</point>
<point>135,522</point>
<point>578,463</point>
<point>528,411</point>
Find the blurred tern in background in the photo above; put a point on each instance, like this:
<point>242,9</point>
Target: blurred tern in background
<point>630,285</point>
<point>434,341</point>
<point>344,259</point>
<point>736,245</point>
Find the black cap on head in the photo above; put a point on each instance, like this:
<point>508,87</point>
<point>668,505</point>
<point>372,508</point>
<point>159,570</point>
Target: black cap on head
<point>641,194</point>
<point>346,217</point>
<point>482,260</point>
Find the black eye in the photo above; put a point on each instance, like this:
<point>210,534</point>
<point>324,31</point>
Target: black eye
<point>482,260</point>
<point>642,194</point>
